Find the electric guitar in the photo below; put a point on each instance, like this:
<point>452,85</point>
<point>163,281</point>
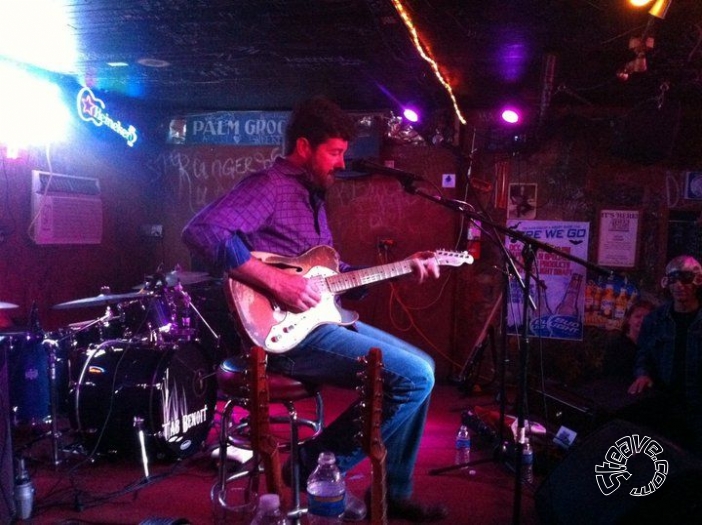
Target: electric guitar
<point>371,440</point>
<point>262,441</point>
<point>277,330</point>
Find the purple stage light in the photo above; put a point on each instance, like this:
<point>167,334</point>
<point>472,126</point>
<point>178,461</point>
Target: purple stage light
<point>510,116</point>
<point>411,115</point>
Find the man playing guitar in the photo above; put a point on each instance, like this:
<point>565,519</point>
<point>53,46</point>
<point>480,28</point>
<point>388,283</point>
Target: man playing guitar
<point>281,210</point>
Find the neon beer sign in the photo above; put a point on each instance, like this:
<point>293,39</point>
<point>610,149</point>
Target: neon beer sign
<point>92,109</point>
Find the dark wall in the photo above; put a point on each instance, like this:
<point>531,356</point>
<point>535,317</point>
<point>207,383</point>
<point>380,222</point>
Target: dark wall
<point>51,274</point>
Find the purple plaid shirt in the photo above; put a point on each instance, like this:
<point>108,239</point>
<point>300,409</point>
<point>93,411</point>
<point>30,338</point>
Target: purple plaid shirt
<point>275,210</point>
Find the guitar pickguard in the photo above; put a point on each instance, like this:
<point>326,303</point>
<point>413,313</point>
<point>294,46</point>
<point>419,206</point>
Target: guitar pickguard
<point>289,331</point>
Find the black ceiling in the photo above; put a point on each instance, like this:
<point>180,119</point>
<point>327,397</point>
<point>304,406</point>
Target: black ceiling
<point>267,54</point>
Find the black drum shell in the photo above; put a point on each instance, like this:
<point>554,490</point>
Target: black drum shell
<point>169,387</point>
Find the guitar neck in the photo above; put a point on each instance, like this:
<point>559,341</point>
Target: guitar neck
<point>348,280</point>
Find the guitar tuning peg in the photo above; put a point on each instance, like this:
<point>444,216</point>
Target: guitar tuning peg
<point>362,359</point>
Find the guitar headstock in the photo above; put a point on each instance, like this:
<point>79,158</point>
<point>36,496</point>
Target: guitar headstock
<point>449,258</point>
<point>372,403</point>
<point>371,439</point>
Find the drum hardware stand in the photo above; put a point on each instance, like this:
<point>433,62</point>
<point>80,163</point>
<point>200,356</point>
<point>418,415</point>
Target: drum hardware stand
<point>139,425</point>
<point>189,304</point>
<point>55,434</point>
<point>101,321</point>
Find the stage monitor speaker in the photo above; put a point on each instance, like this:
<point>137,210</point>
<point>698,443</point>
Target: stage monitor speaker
<point>7,502</point>
<point>572,495</point>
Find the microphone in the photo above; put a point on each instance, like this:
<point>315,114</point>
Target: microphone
<point>367,168</point>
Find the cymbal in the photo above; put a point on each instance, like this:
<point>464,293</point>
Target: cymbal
<point>177,276</point>
<point>100,300</point>
<point>6,306</point>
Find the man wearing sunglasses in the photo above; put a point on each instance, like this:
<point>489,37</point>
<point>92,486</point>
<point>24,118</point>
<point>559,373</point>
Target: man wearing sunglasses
<point>669,357</point>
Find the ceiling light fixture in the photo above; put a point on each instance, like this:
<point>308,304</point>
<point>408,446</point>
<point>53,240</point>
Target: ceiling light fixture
<point>660,8</point>
<point>410,114</point>
<point>510,115</point>
<point>153,62</point>
<point>426,55</point>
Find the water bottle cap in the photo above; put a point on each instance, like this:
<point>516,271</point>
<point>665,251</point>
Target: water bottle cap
<point>326,458</point>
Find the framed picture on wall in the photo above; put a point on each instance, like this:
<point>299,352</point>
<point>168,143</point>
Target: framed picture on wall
<point>522,201</point>
<point>619,235</point>
<point>693,185</point>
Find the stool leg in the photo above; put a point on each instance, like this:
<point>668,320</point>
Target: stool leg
<point>220,490</point>
<point>296,512</point>
<point>218,494</point>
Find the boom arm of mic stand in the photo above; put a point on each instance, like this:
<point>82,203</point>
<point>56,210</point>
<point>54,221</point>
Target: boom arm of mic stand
<point>462,207</point>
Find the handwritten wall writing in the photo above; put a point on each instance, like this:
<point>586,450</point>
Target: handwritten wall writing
<point>195,176</point>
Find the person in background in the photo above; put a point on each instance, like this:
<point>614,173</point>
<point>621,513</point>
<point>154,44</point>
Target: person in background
<point>620,353</point>
<point>281,210</point>
<point>669,358</point>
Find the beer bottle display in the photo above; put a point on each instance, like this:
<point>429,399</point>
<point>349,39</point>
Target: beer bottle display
<point>607,304</point>
<point>569,304</point>
<point>621,303</point>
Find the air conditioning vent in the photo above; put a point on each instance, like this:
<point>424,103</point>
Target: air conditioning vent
<point>66,209</point>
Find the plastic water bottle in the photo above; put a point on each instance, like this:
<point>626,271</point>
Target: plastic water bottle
<point>269,512</point>
<point>528,462</point>
<point>326,492</point>
<point>462,445</point>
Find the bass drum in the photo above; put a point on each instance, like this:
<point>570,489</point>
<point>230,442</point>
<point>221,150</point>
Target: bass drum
<point>168,390</point>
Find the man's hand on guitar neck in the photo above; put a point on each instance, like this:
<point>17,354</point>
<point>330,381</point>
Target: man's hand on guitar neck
<point>293,293</point>
<point>424,264</point>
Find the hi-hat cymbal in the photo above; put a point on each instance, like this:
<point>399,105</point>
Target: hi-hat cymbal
<point>100,300</point>
<point>175,277</point>
<point>6,306</point>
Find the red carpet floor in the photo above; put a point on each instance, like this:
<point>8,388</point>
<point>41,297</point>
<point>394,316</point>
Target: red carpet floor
<point>115,490</point>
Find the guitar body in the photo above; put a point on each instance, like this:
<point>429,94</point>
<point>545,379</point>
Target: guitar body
<point>277,330</point>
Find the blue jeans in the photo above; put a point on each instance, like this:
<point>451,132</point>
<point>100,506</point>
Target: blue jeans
<point>329,355</point>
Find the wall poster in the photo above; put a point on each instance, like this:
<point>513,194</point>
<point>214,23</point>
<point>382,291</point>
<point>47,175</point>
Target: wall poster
<point>522,201</point>
<point>557,284</point>
<point>619,234</point>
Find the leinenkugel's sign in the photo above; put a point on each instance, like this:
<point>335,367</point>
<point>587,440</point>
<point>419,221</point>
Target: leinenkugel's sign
<point>92,109</point>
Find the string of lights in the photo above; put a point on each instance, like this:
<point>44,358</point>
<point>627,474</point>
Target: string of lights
<point>426,55</point>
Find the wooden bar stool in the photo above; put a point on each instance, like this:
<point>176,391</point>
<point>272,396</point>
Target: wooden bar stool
<point>245,383</point>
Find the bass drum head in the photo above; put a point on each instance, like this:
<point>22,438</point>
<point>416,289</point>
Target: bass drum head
<point>167,390</point>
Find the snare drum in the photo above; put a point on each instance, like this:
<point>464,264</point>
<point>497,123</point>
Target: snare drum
<point>169,388</point>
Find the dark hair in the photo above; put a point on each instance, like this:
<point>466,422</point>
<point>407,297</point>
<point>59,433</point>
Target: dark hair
<point>318,119</point>
<point>638,304</point>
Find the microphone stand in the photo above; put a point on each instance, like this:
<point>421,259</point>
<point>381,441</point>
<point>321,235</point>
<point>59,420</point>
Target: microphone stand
<point>530,245</point>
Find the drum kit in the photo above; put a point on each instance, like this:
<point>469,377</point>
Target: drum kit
<point>136,378</point>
